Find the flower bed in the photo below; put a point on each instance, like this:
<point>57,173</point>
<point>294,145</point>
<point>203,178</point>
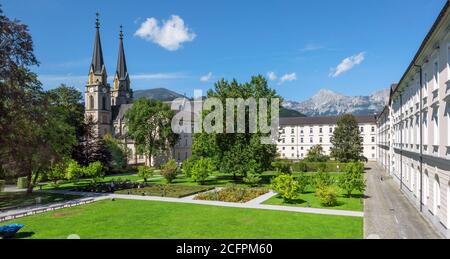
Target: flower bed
<point>233,194</point>
<point>165,190</point>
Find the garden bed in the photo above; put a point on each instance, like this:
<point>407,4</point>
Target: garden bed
<point>233,194</point>
<point>165,190</point>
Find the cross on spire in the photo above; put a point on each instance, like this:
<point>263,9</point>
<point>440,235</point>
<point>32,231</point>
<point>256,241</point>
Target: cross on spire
<point>97,20</point>
<point>121,32</point>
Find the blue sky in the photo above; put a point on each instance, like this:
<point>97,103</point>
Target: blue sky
<point>353,47</point>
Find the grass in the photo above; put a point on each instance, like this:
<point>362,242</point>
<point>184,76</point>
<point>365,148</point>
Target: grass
<point>344,203</point>
<point>22,199</point>
<point>147,219</point>
<point>166,190</point>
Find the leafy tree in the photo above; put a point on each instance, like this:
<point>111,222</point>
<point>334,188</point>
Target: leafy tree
<point>187,166</point>
<point>286,186</point>
<point>303,182</point>
<point>316,154</point>
<point>202,169</point>
<point>73,170</point>
<point>347,143</point>
<point>327,196</point>
<point>170,170</point>
<point>145,172</point>
<point>91,148</point>
<point>55,173</point>
<point>233,153</point>
<point>149,125</point>
<point>353,178</point>
<point>118,153</point>
<point>322,179</point>
<point>95,171</point>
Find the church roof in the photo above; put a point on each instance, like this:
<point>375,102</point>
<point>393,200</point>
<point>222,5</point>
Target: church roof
<point>118,112</point>
<point>121,62</point>
<point>97,63</point>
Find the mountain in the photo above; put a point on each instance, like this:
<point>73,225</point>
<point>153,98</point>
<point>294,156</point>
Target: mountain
<point>329,103</point>
<point>161,94</point>
<point>287,113</point>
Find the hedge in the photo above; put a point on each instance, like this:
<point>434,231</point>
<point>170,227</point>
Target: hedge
<point>2,185</point>
<point>22,182</point>
<point>313,166</point>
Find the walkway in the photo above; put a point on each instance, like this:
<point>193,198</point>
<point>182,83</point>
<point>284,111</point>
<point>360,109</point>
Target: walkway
<point>254,204</point>
<point>388,214</point>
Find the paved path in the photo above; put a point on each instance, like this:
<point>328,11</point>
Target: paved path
<point>388,214</point>
<point>250,205</point>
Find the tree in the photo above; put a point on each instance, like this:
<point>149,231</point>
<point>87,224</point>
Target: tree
<point>286,186</point>
<point>303,181</point>
<point>353,178</point>
<point>95,171</point>
<point>316,154</point>
<point>321,180</point>
<point>347,143</point>
<point>73,170</point>
<point>327,196</point>
<point>118,153</point>
<point>145,172</point>
<point>169,170</point>
<point>202,169</point>
<point>90,147</point>
<point>149,125</point>
<point>233,153</point>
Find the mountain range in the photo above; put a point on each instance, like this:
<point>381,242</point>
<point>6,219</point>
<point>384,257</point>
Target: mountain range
<point>324,103</point>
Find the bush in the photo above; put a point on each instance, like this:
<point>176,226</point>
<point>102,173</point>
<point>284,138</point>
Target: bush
<point>94,171</point>
<point>169,170</point>
<point>73,171</point>
<point>303,182</point>
<point>202,169</point>
<point>282,167</point>
<point>54,174</point>
<point>145,172</point>
<point>252,179</point>
<point>286,186</point>
<point>321,180</point>
<point>2,185</point>
<point>353,178</point>
<point>187,166</point>
<point>327,196</point>
<point>322,168</point>
<point>314,166</point>
<point>22,182</point>
<point>300,167</point>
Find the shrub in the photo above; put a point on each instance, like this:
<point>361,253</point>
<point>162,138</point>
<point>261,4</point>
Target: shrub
<point>286,186</point>
<point>321,180</point>
<point>187,166</point>
<point>322,168</point>
<point>2,185</point>
<point>22,182</point>
<point>252,179</point>
<point>55,173</point>
<point>202,169</point>
<point>169,170</point>
<point>303,181</point>
<point>353,178</point>
<point>145,172</point>
<point>73,170</point>
<point>282,167</point>
<point>301,167</point>
<point>327,196</point>
<point>94,171</point>
<point>317,154</point>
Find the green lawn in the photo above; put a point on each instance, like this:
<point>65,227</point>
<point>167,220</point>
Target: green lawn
<point>344,203</point>
<point>145,219</point>
<point>22,199</point>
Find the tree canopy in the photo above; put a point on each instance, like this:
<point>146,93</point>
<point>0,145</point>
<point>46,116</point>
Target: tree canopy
<point>347,143</point>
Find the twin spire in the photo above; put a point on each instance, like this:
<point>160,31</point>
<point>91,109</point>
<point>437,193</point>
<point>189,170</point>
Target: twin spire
<point>97,64</point>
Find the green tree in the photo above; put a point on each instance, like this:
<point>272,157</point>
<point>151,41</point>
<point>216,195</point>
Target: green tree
<point>353,178</point>
<point>327,196</point>
<point>202,169</point>
<point>303,182</point>
<point>188,164</point>
<point>145,172</point>
<point>233,153</point>
<point>322,179</point>
<point>286,186</point>
<point>95,171</point>
<point>118,152</point>
<point>316,154</point>
<point>347,143</point>
<point>73,171</point>
<point>149,125</point>
<point>170,170</point>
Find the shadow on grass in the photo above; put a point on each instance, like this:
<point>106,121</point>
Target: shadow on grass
<point>22,235</point>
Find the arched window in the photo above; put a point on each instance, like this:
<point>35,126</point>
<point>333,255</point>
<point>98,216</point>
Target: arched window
<point>425,188</point>
<point>91,102</point>
<point>436,195</point>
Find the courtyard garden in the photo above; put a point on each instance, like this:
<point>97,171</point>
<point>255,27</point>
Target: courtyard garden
<point>124,219</point>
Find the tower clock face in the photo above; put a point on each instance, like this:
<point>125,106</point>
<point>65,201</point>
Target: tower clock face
<point>91,89</point>
<point>104,90</point>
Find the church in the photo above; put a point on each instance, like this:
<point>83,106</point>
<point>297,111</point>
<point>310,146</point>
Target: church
<point>107,106</point>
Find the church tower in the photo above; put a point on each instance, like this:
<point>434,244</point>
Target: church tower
<point>122,93</point>
<point>98,93</point>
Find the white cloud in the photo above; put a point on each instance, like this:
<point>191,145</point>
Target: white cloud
<point>347,64</point>
<point>272,76</point>
<point>207,77</point>
<point>312,47</point>
<point>170,35</point>
<point>288,78</point>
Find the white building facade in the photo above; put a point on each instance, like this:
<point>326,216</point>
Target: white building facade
<point>298,135</point>
<point>414,129</point>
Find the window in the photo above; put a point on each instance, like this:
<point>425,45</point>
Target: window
<point>292,131</point>
<point>436,127</point>
<point>292,148</point>
<point>361,129</point>
<point>331,130</point>
<point>91,102</point>
<point>283,140</point>
<point>283,148</point>
<point>311,130</point>
<point>436,75</point>
<point>373,139</point>
<point>301,148</point>
<point>373,129</point>
<point>103,103</point>
<point>320,130</point>
<point>320,140</point>
<point>301,131</point>
<point>292,140</point>
<point>311,140</point>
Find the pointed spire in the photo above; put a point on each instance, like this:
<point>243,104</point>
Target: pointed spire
<point>121,62</point>
<point>97,57</point>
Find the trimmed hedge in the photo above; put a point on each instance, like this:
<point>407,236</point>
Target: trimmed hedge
<point>22,182</point>
<point>2,185</point>
<point>329,167</point>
